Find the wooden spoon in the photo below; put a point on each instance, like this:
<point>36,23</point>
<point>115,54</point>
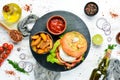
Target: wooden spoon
<point>15,35</point>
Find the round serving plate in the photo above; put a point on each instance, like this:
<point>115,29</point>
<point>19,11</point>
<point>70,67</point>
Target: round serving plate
<point>74,23</point>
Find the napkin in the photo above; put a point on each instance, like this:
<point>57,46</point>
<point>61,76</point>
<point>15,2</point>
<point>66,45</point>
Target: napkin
<point>26,25</point>
<point>42,73</point>
<point>113,71</point>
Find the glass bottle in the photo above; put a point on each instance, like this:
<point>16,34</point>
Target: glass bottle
<point>100,72</point>
<point>11,12</point>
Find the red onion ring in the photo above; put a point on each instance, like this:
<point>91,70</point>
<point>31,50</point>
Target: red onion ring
<point>106,26</point>
<point>29,67</point>
<point>22,56</point>
<point>108,32</point>
<point>100,22</point>
<point>109,39</point>
<point>22,64</point>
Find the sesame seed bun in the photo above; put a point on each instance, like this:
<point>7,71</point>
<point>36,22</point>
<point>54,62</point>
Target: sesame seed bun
<point>74,44</point>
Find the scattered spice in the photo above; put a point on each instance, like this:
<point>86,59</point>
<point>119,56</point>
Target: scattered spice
<point>113,15</point>
<point>102,14</point>
<point>27,7</point>
<point>15,35</point>
<point>18,49</point>
<point>10,72</point>
<point>118,52</point>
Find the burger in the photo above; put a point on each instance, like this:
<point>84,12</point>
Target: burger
<point>68,50</point>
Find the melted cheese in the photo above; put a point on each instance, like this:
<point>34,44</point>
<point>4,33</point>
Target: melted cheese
<point>64,56</point>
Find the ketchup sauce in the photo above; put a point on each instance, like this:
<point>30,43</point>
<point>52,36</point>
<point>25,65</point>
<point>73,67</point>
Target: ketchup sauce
<point>56,25</point>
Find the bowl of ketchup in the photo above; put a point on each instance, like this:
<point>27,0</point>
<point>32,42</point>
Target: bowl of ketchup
<point>56,24</point>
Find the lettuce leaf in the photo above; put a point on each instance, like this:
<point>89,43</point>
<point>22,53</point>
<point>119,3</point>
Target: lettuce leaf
<point>52,56</point>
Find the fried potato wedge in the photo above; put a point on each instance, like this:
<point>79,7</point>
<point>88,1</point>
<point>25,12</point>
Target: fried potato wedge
<point>41,43</point>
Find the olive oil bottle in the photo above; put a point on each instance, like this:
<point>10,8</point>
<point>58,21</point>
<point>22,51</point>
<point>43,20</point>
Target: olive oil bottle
<point>11,12</point>
<point>100,73</point>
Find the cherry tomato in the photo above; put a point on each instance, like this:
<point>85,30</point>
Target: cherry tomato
<point>10,47</point>
<point>1,49</point>
<point>7,52</point>
<point>1,60</point>
<point>4,56</point>
<point>5,45</point>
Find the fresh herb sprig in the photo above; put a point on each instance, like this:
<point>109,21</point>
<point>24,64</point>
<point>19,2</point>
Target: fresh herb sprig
<point>111,47</point>
<point>16,66</point>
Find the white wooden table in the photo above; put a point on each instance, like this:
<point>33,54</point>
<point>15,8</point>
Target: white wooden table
<point>41,7</point>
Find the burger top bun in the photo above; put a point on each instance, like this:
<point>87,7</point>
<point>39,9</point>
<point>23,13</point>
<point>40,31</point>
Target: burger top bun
<point>74,44</point>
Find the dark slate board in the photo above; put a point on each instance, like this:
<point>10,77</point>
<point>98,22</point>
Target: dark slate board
<point>74,23</point>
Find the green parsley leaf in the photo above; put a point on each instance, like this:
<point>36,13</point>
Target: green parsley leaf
<point>16,66</point>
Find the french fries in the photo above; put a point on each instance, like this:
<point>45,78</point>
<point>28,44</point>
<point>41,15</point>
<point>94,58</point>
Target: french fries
<point>35,37</point>
<point>36,41</point>
<point>41,43</point>
<point>44,37</point>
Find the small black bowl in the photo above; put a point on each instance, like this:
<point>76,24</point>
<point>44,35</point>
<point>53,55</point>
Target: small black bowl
<point>91,9</point>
